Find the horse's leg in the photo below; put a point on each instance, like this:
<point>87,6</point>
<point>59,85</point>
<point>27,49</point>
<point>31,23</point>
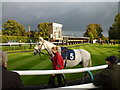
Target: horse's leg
<point>89,76</point>
<point>84,77</point>
<point>85,64</point>
<point>84,73</point>
<point>85,61</point>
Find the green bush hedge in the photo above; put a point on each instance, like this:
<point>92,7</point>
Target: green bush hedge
<point>17,47</point>
<point>18,39</point>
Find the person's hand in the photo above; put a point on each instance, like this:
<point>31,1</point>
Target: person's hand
<point>50,57</point>
<point>53,75</point>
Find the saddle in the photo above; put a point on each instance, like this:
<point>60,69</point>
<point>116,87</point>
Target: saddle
<point>68,54</point>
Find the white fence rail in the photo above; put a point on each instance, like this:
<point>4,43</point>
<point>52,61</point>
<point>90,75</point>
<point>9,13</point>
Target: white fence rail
<point>3,44</point>
<point>85,86</point>
<point>47,72</point>
<point>9,44</point>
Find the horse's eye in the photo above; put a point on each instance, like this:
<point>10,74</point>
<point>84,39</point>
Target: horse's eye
<point>38,43</point>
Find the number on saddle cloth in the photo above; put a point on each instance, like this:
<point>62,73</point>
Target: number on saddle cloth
<point>69,53</point>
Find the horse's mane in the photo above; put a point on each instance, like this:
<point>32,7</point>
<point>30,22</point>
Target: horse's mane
<point>49,43</point>
<point>49,46</point>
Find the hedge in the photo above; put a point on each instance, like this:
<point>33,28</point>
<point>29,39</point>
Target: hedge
<point>17,47</point>
<point>21,39</point>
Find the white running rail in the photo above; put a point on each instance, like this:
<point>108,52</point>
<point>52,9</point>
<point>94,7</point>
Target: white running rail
<point>47,72</point>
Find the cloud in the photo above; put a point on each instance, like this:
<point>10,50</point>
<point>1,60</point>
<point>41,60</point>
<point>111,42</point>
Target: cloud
<point>73,15</point>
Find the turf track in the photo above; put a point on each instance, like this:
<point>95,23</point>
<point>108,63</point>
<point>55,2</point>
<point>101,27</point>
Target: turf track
<point>27,61</point>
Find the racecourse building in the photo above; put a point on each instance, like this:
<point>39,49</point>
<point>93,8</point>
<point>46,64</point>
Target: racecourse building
<point>55,32</point>
<point>55,36</point>
<point>69,40</point>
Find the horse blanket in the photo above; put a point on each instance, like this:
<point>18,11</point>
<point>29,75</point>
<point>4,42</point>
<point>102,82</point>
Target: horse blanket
<point>67,53</point>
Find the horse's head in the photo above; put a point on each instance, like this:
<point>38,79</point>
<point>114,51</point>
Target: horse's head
<point>40,46</point>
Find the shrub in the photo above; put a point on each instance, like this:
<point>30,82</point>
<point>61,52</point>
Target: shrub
<point>21,39</point>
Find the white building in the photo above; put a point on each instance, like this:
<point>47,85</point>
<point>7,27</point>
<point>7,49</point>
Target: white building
<point>55,31</point>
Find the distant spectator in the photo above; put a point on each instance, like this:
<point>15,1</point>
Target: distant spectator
<point>114,42</point>
<point>109,77</point>
<point>10,80</point>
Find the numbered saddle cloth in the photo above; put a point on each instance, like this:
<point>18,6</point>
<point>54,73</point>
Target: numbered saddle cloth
<point>67,53</point>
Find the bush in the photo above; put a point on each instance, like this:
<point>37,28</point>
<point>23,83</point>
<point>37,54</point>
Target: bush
<point>21,39</point>
<point>17,47</point>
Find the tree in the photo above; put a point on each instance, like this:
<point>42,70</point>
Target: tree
<point>91,36</point>
<point>30,34</point>
<point>95,29</point>
<point>37,34</point>
<point>13,28</point>
<point>114,30</point>
<point>104,38</point>
<point>43,29</point>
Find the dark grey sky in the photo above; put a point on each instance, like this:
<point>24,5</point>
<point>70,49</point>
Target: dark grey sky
<point>74,16</point>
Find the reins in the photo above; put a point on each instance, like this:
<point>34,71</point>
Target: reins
<point>46,49</point>
<point>50,53</point>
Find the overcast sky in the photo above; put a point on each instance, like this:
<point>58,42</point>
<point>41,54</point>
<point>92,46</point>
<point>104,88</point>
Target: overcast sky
<point>74,16</point>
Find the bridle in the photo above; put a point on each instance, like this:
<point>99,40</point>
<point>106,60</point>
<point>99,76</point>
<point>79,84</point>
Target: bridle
<point>39,50</point>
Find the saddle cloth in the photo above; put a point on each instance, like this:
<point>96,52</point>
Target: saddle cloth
<point>67,53</point>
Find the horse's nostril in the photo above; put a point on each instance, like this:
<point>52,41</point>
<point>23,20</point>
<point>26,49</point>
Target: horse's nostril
<point>35,53</point>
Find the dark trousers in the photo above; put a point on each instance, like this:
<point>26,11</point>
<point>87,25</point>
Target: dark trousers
<point>60,79</point>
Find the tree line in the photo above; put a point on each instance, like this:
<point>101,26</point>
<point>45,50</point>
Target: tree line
<point>14,28</point>
<point>94,31</point>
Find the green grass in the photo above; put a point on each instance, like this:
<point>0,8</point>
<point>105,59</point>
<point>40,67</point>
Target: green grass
<point>28,61</point>
<point>16,48</point>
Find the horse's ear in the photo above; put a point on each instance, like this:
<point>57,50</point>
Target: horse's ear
<point>41,38</point>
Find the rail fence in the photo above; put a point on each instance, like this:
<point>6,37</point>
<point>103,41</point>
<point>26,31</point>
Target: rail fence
<point>64,71</point>
<point>25,46</point>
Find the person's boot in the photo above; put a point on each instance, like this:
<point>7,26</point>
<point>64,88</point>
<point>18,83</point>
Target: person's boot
<point>59,79</point>
<point>51,83</point>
